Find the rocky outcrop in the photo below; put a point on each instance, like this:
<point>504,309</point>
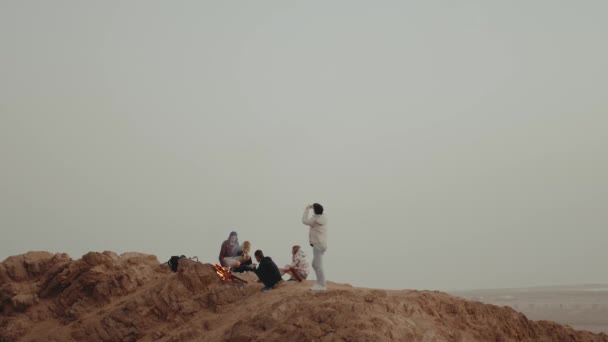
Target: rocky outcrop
<point>129,297</point>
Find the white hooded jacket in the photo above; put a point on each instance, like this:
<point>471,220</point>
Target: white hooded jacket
<point>318,228</point>
<point>299,263</point>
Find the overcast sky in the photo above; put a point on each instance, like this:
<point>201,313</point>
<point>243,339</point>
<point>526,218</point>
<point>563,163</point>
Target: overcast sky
<point>454,144</point>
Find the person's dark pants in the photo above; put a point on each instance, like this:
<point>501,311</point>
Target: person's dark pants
<point>241,269</point>
<point>244,267</point>
<point>267,280</point>
<point>269,274</point>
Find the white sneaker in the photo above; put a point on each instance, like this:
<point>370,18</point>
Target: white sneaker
<point>317,287</point>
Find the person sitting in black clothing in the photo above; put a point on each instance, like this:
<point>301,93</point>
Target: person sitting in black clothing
<point>244,267</point>
<point>267,271</point>
<point>244,259</point>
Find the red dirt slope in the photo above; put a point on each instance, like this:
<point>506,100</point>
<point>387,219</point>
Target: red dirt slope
<point>106,297</point>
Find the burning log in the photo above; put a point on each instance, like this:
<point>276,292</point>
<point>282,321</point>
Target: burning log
<point>239,279</point>
<point>226,276</point>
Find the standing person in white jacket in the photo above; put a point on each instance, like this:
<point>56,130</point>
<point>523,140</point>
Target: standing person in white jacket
<point>318,240</point>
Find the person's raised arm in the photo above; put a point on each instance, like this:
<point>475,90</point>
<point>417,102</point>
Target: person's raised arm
<point>307,221</point>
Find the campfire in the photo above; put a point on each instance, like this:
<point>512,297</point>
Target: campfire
<point>226,276</point>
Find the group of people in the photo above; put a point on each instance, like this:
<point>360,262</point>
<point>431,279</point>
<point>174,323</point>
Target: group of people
<point>237,257</point>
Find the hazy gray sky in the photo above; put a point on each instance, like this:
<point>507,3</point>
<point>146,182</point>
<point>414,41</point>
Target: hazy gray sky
<point>454,144</point>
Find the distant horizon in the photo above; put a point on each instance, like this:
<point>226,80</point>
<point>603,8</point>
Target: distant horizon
<point>556,286</point>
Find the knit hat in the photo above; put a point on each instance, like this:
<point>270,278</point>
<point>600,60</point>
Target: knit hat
<point>233,233</point>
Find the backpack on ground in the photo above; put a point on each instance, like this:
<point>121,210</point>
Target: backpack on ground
<point>174,261</point>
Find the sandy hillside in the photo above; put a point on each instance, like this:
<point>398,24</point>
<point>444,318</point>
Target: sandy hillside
<point>106,297</point>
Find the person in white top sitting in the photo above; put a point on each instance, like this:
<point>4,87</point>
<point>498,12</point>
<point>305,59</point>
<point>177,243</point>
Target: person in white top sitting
<point>299,265</point>
<point>318,240</point>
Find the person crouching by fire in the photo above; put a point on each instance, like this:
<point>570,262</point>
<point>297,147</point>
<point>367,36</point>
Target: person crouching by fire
<point>267,271</point>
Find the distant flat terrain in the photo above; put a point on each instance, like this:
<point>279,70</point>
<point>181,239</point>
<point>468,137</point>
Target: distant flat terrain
<point>582,307</point>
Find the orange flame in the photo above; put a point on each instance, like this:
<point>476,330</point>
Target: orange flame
<point>225,275</point>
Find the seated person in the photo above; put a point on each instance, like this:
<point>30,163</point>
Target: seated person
<point>243,260</point>
<point>230,250</point>
<point>299,265</point>
<point>267,271</point>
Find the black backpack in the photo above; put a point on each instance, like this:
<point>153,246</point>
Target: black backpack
<point>174,261</point>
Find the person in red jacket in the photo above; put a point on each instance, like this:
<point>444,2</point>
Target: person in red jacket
<point>230,250</point>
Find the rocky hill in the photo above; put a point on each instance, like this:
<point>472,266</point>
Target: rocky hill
<point>107,297</point>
